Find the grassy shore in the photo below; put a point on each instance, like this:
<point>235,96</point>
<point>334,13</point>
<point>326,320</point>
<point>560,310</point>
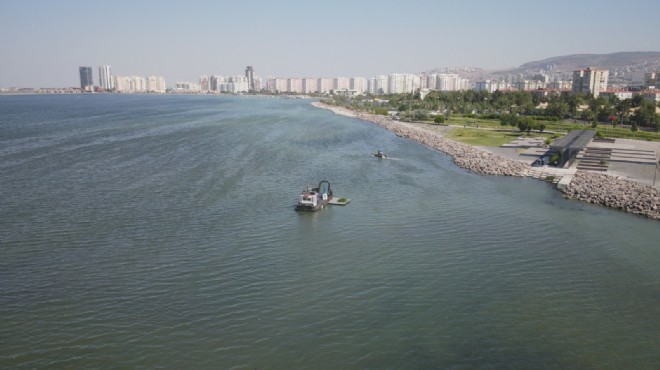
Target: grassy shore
<point>481,137</point>
<point>555,126</point>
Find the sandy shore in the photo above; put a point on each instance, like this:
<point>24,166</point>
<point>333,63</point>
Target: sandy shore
<point>599,189</point>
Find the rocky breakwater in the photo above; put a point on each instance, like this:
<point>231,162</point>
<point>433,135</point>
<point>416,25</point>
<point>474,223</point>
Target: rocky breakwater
<point>589,187</point>
<point>608,191</point>
<point>465,156</point>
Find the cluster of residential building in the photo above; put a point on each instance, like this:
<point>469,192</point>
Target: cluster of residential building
<point>590,80</point>
<point>124,84</point>
<point>384,84</point>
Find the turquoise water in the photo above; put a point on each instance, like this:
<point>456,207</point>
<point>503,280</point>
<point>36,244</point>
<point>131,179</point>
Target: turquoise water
<point>159,232</point>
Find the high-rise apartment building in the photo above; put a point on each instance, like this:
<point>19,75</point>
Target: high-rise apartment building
<point>156,84</point>
<point>249,73</point>
<point>341,83</point>
<point>86,79</point>
<point>358,84</point>
<point>591,81</point>
<point>449,82</point>
<point>652,80</point>
<point>324,85</point>
<point>402,83</point>
<point>216,82</point>
<point>105,78</point>
<point>205,83</point>
<point>132,84</point>
<point>235,85</point>
<point>258,83</point>
<point>378,85</point>
<point>310,85</point>
<point>294,85</point>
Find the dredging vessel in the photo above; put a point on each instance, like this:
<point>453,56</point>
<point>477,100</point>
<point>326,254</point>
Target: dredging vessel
<point>314,199</point>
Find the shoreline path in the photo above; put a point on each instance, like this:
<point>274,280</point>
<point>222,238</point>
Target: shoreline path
<point>590,187</point>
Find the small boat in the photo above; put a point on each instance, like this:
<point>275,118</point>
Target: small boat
<point>379,154</point>
<point>314,199</point>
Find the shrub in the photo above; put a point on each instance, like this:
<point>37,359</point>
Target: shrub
<point>380,110</point>
<point>556,157</point>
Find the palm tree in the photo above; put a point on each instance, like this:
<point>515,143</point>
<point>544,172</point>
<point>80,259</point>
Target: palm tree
<point>574,101</point>
<point>622,109</point>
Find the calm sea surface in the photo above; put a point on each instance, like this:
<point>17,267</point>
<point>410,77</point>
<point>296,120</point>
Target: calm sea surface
<point>159,232</point>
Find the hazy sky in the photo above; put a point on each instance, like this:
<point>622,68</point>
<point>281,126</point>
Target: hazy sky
<point>43,42</point>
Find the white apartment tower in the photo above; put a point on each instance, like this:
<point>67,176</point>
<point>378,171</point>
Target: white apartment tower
<point>341,83</point>
<point>156,84</point>
<point>294,85</point>
<point>205,83</point>
<point>447,82</point>
<point>358,84</point>
<point>130,84</point>
<point>309,85</point>
<point>652,80</point>
<point>403,83</point>
<point>591,81</point>
<point>395,84</point>
<point>324,85</point>
<point>379,85</point>
<point>105,78</point>
<point>238,84</point>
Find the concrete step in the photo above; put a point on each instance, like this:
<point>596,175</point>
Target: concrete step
<point>591,161</point>
<point>592,168</point>
<point>593,149</point>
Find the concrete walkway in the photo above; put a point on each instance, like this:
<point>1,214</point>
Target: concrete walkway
<point>627,159</point>
<point>634,160</point>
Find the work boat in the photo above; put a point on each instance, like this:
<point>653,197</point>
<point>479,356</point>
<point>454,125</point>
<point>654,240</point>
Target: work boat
<point>314,199</point>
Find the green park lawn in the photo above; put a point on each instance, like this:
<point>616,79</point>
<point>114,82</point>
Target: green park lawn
<point>479,137</point>
<point>486,132</point>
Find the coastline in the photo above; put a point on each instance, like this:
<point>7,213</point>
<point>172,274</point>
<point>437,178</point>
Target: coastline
<point>589,187</point>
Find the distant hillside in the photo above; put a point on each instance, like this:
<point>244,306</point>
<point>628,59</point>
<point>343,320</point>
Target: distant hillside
<point>606,61</point>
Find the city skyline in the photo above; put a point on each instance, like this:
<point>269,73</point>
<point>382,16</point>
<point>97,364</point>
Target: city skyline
<point>45,41</point>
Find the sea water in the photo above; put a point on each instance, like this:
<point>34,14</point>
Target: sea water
<point>141,231</point>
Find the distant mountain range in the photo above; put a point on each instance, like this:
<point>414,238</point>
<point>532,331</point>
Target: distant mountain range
<point>624,67</point>
<point>605,61</point>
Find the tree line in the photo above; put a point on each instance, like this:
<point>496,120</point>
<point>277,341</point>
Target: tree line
<point>636,112</point>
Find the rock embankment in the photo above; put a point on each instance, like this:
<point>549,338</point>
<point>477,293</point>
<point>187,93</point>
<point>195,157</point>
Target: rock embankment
<point>586,186</point>
<point>465,156</point>
<point>608,191</point>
